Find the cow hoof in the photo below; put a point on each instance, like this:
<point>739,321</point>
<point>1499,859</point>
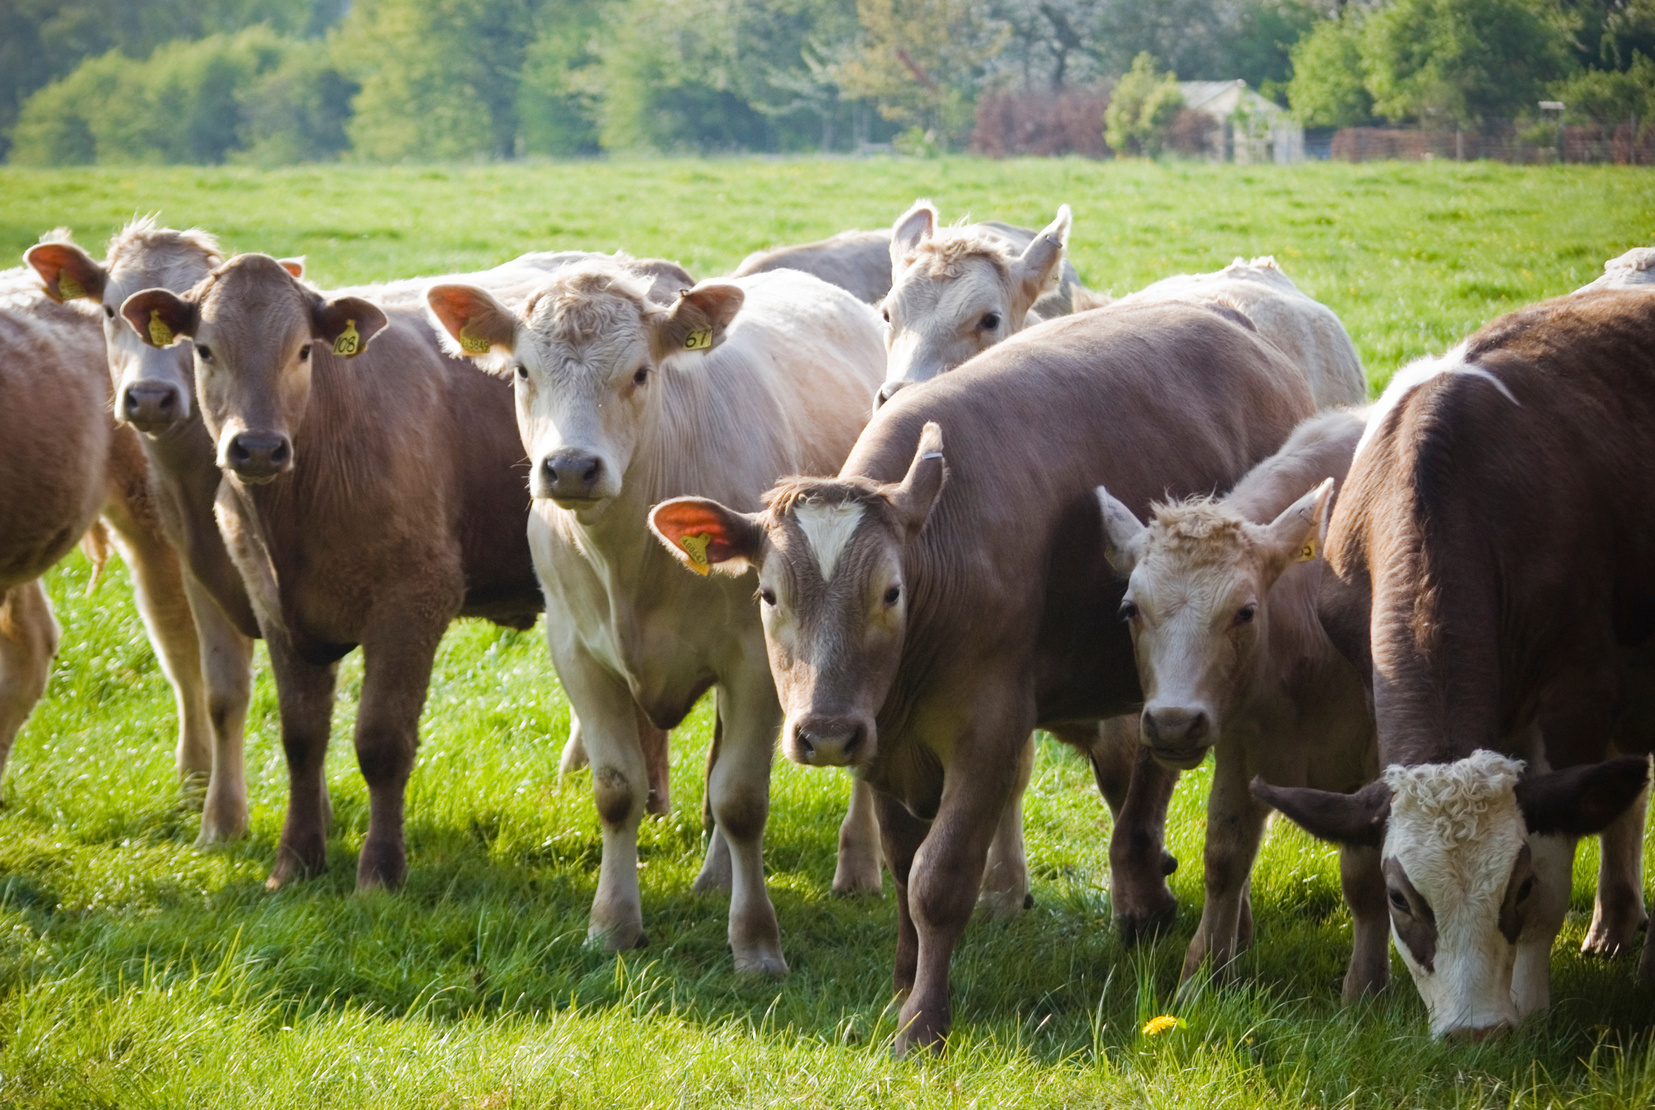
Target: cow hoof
<point>1169,864</point>
<point>761,962</point>
<point>1138,925</point>
<point>192,790</point>
<point>658,805</point>
<point>620,938</point>
<point>849,881</point>
<point>1611,935</point>
<point>1028,901</point>
<point>1001,905</point>
<point>292,867</point>
<point>381,866</point>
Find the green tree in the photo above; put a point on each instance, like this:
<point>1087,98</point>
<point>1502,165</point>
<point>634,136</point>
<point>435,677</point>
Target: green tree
<point>1141,108</point>
<point>1464,61</point>
<point>1327,88</point>
<point>295,112</point>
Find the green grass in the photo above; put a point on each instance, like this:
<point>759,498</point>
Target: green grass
<point>135,971</point>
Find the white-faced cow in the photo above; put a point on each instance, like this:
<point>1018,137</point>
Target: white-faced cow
<point>66,462</point>
<point>622,403</point>
<point>1500,514</point>
<point>947,592</point>
<point>1223,605</point>
<point>364,502</point>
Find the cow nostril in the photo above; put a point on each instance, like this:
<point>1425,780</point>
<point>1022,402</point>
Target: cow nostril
<point>279,454</point>
<point>592,469</point>
<point>1198,727</point>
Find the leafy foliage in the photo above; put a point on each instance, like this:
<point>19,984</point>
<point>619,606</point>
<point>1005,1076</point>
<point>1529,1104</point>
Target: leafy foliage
<point>1327,89</point>
<point>1142,108</point>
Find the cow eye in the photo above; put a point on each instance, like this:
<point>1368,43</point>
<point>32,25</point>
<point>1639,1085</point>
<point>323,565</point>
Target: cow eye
<point>1129,611</point>
<point>886,314</point>
<point>1399,903</point>
<point>767,595</point>
<point>204,351</point>
<point>990,321</point>
<point>892,594</point>
<point>1246,613</point>
<point>304,352</point>
<point>109,311</point>
<point>1526,889</point>
<point>522,372</point>
<point>641,376</point>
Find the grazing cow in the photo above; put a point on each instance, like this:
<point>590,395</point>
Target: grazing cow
<point>1500,514</point>
<point>1307,331</point>
<point>922,618</point>
<point>370,514</point>
<point>66,462</point>
<point>1222,601</point>
<point>622,403</point>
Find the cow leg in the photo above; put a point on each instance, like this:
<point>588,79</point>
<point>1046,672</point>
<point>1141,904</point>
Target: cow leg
<point>1005,892</point>
<point>1618,913</point>
<point>304,694</point>
<point>857,871</point>
<point>574,749</point>
<point>657,766</point>
<point>715,867</point>
<point>29,637</point>
<point>948,868</point>
<point>1370,955</point>
<point>159,587</point>
<point>1235,825</point>
<point>1553,858</point>
<point>1111,747</point>
<point>1138,861</point>
<point>740,791</point>
<point>226,665</point>
<point>900,835</point>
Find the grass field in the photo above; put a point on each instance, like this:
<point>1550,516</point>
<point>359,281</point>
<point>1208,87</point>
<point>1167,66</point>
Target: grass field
<point>137,972</point>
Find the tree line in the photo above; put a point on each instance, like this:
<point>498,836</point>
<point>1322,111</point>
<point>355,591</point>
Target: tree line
<point>278,81</point>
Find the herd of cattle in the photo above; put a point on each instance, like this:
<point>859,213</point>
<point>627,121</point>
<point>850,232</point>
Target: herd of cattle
<point>1419,629</point>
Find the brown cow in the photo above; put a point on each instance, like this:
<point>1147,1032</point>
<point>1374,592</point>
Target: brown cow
<point>1500,514</point>
<point>1223,603</point>
<point>65,462</point>
<point>919,628</point>
<point>371,513</point>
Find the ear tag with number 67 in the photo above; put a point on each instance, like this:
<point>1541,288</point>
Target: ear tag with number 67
<point>349,343</point>
<point>701,339</point>
<point>696,548</point>
<point>159,334</point>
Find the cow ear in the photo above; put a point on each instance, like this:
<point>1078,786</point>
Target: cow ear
<point>1123,534</point>
<point>160,316</point>
<point>911,229</point>
<point>1580,801</point>
<point>1296,535</point>
<point>347,324</point>
<point>68,271</point>
<point>1038,269</point>
<point>294,266</point>
<point>698,319</point>
<point>706,536</point>
<point>1355,819</point>
<point>470,321</point>
<point>916,495</point>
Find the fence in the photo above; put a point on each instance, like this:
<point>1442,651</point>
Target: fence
<point>1621,144</point>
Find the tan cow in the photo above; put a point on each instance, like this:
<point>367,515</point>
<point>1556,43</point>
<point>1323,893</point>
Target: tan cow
<point>622,403</point>
<point>1222,601</point>
<point>66,462</point>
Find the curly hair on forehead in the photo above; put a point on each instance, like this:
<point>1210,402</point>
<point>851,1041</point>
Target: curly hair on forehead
<point>1459,800</point>
<point>945,253</point>
<point>789,493</point>
<point>587,300</point>
<point>1197,528</point>
<point>142,233</point>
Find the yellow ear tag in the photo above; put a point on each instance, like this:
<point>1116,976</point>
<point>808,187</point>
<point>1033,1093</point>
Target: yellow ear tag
<point>473,344</point>
<point>1308,551</point>
<point>696,548</point>
<point>159,334</point>
<point>68,288</point>
<point>701,339</point>
<point>349,342</point>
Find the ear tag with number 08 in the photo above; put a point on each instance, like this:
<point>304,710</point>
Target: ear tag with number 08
<point>349,342</point>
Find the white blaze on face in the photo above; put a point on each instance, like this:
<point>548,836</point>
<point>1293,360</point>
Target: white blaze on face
<point>1454,839</point>
<point>828,529</point>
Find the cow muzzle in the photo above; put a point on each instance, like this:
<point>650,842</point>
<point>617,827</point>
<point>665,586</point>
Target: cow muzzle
<point>258,456</point>
<point>822,741</point>
<point>571,477</point>
<point>1177,736</point>
<point>886,392</point>
<point>153,408</point>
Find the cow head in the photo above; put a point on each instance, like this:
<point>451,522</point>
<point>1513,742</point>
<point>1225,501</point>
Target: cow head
<point>956,291</point>
<point>834,603</point>
<point>154,388</point>
<point>256,332</point>
<point>585,352</point>
<point>1464,875</point>
<point>1197,603</point>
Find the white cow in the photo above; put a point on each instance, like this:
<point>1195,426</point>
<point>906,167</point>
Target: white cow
<point>1635,267</point>
<point>622,404</point>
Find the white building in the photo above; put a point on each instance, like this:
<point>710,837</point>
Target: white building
<point>1251,129</point>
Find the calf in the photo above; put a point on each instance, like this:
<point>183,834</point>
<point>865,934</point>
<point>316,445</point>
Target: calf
<point>922,618</point>
<point>66,462</point>
<point>623,403</point>
<point>1222,602</point>
<point>365,504</point>
<point>1500,514</point>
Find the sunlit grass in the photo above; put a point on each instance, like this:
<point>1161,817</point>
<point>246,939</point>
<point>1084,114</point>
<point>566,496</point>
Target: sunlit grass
<point>135,971</point>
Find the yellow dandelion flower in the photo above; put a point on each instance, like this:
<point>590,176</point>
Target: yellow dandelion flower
<point>1155,1026</point>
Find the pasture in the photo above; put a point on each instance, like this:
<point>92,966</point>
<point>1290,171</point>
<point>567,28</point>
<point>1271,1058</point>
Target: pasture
<point>136,971</point>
